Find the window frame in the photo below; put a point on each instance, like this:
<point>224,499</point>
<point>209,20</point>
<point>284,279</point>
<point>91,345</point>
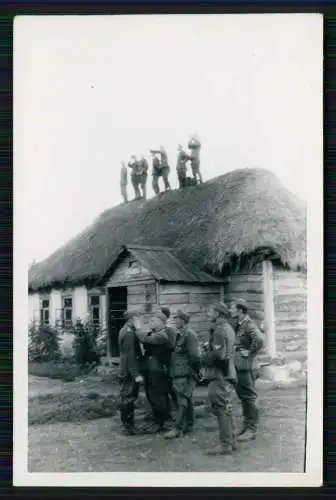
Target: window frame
<point>67,323</point>
<point>94,307</point>
<point>44,310</point>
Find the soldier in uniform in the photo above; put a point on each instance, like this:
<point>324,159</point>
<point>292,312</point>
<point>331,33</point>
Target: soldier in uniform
<point>164,166</point>
<point>143,174</point>
<point>158,349</point>
<point>181,166</point>
<point>185,369</point>
<point>130,372</point>
<point>221,374</point>
<point>172,336</point>
<point>123,181</point>
<point>249,341</point>
<point>194,146</point>
<point>155,173</point>
<point>134,166</point>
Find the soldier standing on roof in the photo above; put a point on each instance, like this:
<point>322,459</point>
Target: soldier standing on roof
<point>155,172</point>
<point>194,146</point>
<point>130,372</point>
<point>123,181</point>
<point>164,168</point>
<point>185,369</point>
<point>134,166</point>
<point>143,174</point>
<point>181,166</point>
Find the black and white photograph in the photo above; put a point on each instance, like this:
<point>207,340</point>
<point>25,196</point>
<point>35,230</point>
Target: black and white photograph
<point>168,227</point>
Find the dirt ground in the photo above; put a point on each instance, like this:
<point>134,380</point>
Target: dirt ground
<point>97,445</point>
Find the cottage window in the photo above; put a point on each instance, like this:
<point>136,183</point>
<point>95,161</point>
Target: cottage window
<point>94,307</point>
<point>67,312</point>
<point>44,312</point>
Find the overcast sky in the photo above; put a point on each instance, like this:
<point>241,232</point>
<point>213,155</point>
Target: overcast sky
<point>90,91</point>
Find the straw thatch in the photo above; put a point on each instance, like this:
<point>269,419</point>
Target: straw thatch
<point>232,220</point>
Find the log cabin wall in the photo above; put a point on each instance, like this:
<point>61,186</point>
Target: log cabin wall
<point>193,299</point>
<point>290,303</point>
<point>248,286</point>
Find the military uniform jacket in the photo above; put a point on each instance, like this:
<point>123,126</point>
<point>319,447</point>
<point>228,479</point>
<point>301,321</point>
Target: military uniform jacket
<point>182,159</point>
<point>220,360</point>
<point>130,352</point>
<point>163,158</point>
<point>143,167</point>
<point>248,337</point>
<point>195,149</point>
<point>156,166</point>
<point>185,360</point>
<point>158,348</point>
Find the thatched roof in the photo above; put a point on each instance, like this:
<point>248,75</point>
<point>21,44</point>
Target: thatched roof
<point>230,220</point>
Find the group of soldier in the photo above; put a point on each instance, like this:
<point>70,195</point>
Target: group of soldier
<point>161,168</point>
<point>167,359</point>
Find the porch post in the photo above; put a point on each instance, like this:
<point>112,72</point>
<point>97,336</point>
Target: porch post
<point>109,355</point>
<point>269,314</point>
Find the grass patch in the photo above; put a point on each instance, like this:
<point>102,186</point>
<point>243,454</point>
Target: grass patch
<point>70,407</point>
<point>65,370</point>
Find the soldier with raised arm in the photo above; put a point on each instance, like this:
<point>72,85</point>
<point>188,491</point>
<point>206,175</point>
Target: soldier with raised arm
<point>194,146</point>
<point>181,167</point>
<point>164,166</point>
<point>143,174</point>
<point>134,166</point>
<point>158,347</point>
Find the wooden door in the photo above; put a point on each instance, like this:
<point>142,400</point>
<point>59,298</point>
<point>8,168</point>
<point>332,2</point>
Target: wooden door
<point>117,305</point>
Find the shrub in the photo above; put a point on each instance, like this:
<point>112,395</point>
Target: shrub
<point>43,343</point>
<point>86,347</point>
<point>64,370</point>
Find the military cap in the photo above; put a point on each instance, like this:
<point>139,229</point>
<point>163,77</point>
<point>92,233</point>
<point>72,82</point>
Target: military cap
<point>221,308</point>
<point>166,311</point>
<point>159,314</point>
<point>182,315</point>
<point>130,314</point>
<point>240,302</point>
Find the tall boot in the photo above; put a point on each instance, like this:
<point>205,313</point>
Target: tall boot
<point>179,424</point>
<point>251,421</point>
<point>190,417</point>
<point>227,442</point>
<point>127,419</point>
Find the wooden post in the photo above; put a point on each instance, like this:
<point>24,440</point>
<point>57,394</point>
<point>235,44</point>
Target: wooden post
<point>109,354</point>
<point>157,292</point>
<point>269,315</point>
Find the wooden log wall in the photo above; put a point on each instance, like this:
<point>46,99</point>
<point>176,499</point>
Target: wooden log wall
<point>250,288</point>
<point>290,303</point>
<point>193,299</point>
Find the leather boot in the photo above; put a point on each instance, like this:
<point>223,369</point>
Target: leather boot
<point>179,424</point>
<point>189,419</point>
<point>227,434</point>
<point>127,419</point>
